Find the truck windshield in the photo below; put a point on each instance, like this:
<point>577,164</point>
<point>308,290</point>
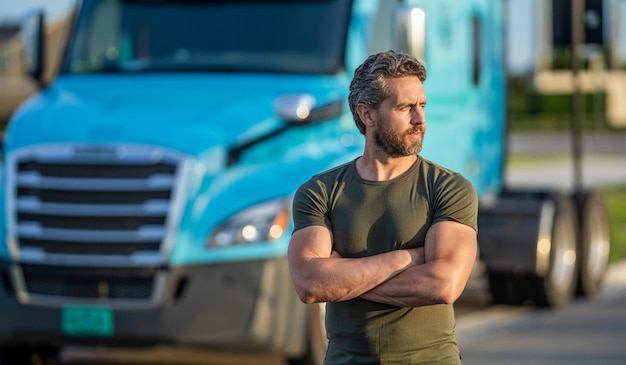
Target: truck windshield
<point>126,36</point>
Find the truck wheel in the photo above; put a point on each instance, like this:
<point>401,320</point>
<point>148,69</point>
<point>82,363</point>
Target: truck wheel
<point>593,243</point>
<point>556,286</point>
<point>317,342</point>
<point>505,288</point>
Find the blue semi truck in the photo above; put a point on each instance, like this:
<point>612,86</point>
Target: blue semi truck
<point>147,189</point>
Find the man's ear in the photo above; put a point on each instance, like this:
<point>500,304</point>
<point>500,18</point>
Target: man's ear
<point>366,114</point>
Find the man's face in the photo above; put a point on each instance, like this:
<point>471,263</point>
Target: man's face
<point>400,119</point>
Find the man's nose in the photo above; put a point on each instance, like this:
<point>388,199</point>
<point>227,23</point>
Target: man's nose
<point>418,117</point>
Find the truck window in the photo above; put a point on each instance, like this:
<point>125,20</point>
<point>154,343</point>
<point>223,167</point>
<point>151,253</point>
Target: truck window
<point>209,36</point>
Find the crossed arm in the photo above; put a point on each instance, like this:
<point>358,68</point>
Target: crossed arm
<point>434,274</point>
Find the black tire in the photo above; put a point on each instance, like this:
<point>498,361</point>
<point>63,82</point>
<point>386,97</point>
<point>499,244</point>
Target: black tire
<point>507,289</point>
<point>556,286</point>
<point>317,343</point>
<point>11,355</point>
<point>593,243</point>
<point>26,355</point>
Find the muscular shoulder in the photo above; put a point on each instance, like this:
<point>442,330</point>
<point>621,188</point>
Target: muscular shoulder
<point>314,198</point>
<point>452,195</point>
<point>324,182</point>
<point>440,177</point>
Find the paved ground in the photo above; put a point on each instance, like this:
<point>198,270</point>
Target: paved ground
<point>585,332</point>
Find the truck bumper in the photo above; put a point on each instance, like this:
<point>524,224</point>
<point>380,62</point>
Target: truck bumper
<point>243,305</point>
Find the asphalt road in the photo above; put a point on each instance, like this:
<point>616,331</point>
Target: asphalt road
<point>587,331</point>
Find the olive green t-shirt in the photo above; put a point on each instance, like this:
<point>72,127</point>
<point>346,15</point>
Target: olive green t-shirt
<point>370,217</point>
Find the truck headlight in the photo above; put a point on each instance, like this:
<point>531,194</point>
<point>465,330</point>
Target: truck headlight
<point>264,222</point>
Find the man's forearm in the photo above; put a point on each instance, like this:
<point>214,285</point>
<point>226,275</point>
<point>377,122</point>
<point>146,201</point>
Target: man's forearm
<point>335,279</point>
<point>403,290</point>
<point>419,286</point>
<point>449,251</point>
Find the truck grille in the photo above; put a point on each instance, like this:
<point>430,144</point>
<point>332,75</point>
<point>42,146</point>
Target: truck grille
<point>106,207</point>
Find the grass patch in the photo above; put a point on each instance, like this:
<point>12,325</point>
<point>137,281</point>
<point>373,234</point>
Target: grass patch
<point>615,198</point>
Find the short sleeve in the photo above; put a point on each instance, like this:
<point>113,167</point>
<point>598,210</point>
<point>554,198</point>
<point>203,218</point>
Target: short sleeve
<point>456,200</point>
<point>311,205</point>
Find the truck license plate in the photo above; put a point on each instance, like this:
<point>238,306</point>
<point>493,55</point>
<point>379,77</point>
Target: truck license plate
<point>87,321</point>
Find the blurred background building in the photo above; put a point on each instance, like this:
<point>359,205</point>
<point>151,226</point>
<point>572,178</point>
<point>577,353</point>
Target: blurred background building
<point>602,54</point>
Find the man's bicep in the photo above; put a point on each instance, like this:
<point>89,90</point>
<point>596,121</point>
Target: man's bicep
<point>450,252</point>
<point>310,242</point>
<point>307,246</point>
<point>451,240</point>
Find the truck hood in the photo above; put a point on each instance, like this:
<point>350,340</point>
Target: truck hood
<point>190,113</point>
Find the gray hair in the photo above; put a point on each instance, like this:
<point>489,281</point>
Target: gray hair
<point>369,85</point>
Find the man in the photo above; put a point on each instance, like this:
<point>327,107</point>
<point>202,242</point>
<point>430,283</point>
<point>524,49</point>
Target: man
<point>389,239</point>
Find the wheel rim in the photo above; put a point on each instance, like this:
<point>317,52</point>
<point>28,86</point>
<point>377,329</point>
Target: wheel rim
<point>598,245</point>
<point>564,256</point>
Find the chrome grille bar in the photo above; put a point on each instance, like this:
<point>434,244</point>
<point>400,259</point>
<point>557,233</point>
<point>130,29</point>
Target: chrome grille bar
<point>95,196</point>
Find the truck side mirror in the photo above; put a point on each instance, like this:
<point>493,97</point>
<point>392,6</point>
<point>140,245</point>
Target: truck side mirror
<point>301,109</point>
<point>294,108</point>
<point>32,32</point>
<point>411,31</point>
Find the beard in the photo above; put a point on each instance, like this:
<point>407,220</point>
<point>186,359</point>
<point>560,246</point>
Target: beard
<point>398,144</point>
